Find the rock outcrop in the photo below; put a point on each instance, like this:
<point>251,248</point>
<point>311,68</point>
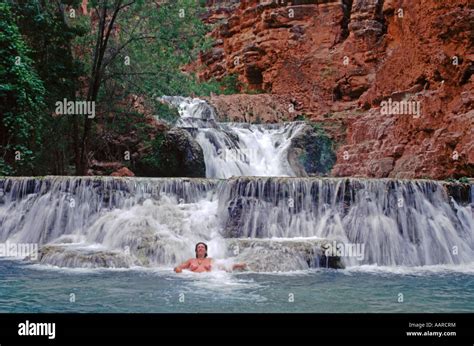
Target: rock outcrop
<point>184,154</point>
<point>337,61</point>
<point>311,153</point>
<point>264,255</point>
<point>260,108</point>
<point>69,257</point>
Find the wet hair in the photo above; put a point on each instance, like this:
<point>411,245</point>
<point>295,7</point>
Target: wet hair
<point>196,248</point>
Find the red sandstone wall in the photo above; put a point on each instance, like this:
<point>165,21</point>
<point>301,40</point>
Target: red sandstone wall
<point>336,61</point>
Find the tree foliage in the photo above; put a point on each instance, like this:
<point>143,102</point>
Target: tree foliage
<point>119,53</point>
<point>50,33</point>
<point>21,101</point>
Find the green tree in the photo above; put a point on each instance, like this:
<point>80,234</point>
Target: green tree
<point>49,33</point>
<point>139,48</point>
<point>120,52</point>
<point>21,101</point>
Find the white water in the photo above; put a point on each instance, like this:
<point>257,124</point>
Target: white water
<point>120,222</point>
<point>236,149</point>
<point>111,222</point>
<point>272,224</point>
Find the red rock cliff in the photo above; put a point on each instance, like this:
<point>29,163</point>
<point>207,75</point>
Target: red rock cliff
<point>337,61</point>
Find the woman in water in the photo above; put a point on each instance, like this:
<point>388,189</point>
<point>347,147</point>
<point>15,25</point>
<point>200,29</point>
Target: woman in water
<point>202,263</point>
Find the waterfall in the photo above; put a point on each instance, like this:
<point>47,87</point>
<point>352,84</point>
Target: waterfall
<point>398,222</point>
<point>236,149</point>
<point>250,208</point>
<point>274,223</point>
<point>154,221</point>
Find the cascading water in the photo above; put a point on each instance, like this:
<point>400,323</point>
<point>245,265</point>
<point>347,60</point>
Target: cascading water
<point>271,223</point>
<point>129,222</point>
<point>236,149</point>
<point>398,222</point>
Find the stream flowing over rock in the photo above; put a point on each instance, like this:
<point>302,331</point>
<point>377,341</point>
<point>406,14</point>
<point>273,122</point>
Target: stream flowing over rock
<point>274,224</point>
<point>243,149</point>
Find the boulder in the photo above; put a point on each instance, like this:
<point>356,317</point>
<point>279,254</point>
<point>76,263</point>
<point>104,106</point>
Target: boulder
<point>72,257</point>
<point>311,152</point>
<point>272,255</point>
<point>180,148</point>
<point>173,154</point>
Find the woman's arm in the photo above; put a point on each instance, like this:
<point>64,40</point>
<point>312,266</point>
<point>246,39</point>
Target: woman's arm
<point>239,266</point>
<point>182,266</point>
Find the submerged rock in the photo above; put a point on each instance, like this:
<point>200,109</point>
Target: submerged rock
<point>73,257</point>
<point>282,255</point>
